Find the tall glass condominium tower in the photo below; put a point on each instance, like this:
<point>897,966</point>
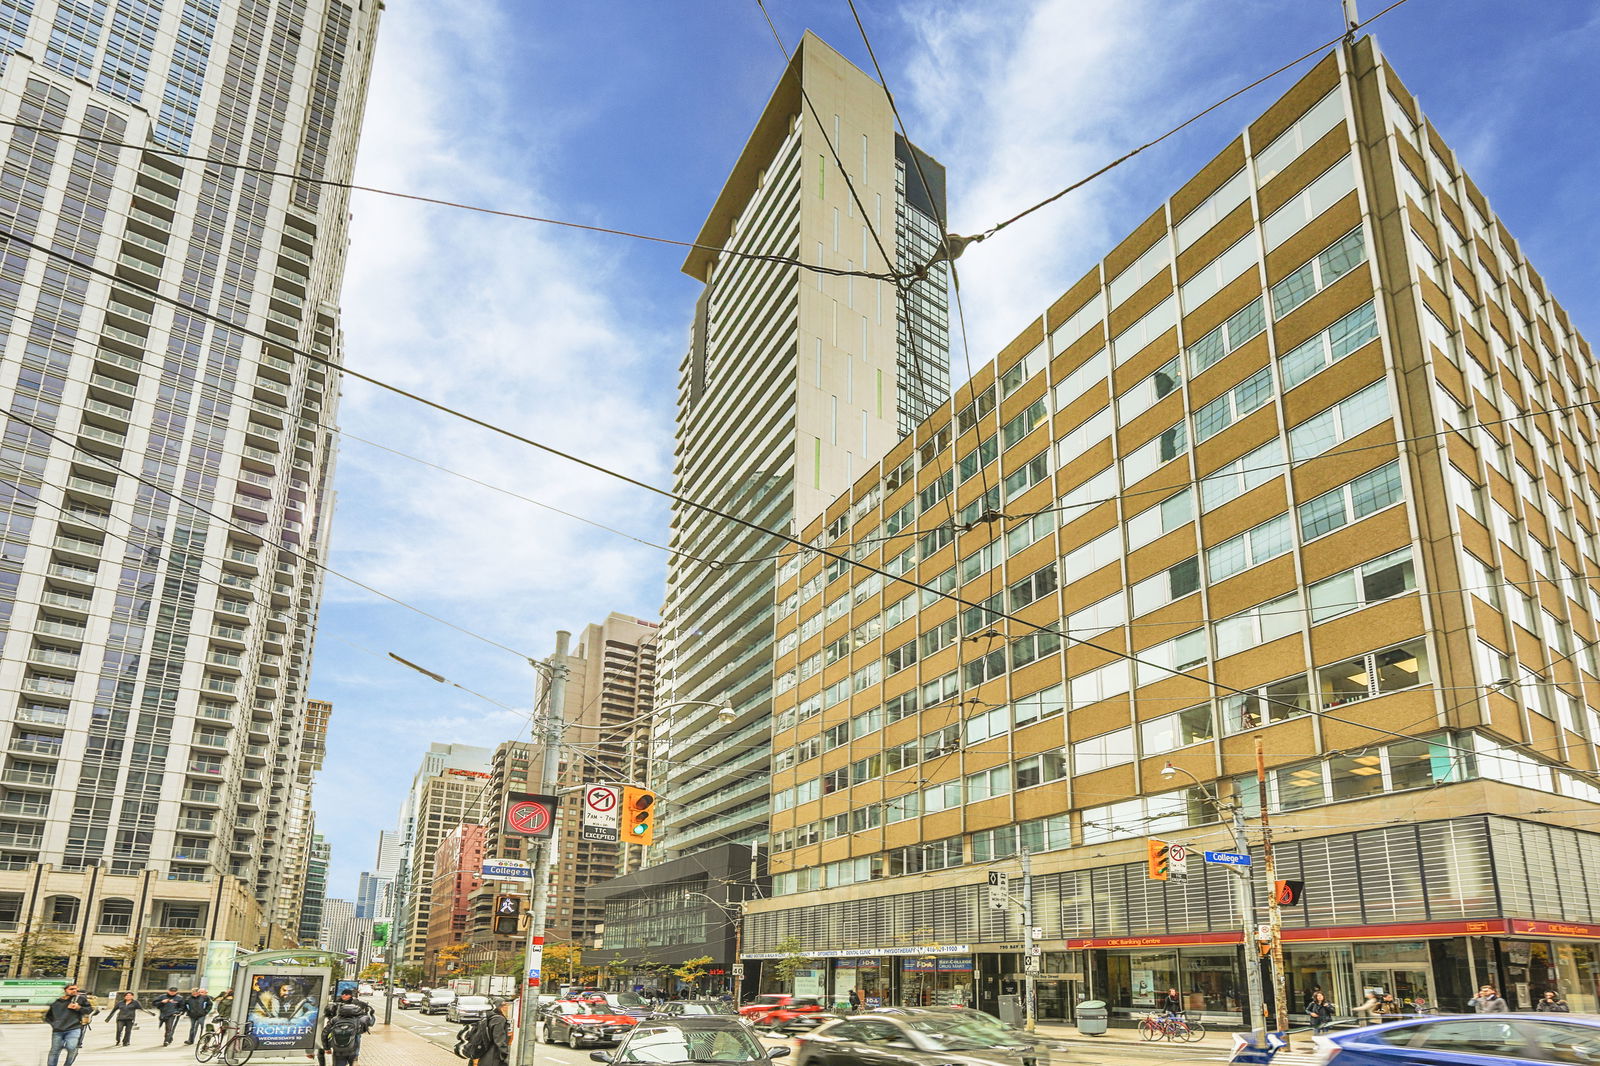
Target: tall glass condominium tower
<point>166,463</point>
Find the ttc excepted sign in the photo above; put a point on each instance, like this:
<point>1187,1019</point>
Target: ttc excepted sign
<point>1178,861</point>
<point>602,813</point>
<point>531,816</point>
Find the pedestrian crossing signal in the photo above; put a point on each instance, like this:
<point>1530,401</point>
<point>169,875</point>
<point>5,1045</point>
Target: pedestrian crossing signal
<point>507,914</point>
<point>1158,866</point>
<point>638,815</point>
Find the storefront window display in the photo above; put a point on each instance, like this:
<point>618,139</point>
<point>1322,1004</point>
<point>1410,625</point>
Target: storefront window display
<point>870,975</point>
<point>1207,979</point>
<point>1400,968</point>
<point>1328,970</point>
<point>943,981</point>
<point>1578,976</point>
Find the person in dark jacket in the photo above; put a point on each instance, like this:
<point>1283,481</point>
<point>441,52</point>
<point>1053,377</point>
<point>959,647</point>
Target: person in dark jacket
<point>123,1013</point>
<point>1552,1003</point>
<point>1488,1001</point>
<point>1172,1002</point>
<point>499,1053</point>
<point>68,1016</point>
<point>1320,1011</point>
<point>169,1008</point>
<point>196,1005</point>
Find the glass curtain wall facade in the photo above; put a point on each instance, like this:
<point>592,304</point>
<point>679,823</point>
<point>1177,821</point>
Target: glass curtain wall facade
<point>1308,457</point>
<point>164,477</point>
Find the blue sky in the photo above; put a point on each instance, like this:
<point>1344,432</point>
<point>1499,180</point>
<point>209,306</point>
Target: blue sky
<point>629,113</point>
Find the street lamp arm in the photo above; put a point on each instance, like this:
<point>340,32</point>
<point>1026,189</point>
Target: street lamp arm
<point>725,710</point>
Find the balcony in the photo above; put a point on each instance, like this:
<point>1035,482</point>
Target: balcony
<point>207,767</point>
<point>48,686</point>
<point>118,359</point>
<point>69,601</point>
<point>55,657</point>
<point>11,838</point>
<point>211,797</point>
<point>26,808</point>
<point>220,686</point>
<point>121,388</point>
<point>197,825</point>
<point>217,712</point>
<point>30,775</point>
<point>52,716</point>
<point>68,630</point>
<point>37,746</point>
<point>191,855</point>
<point>79,575</point>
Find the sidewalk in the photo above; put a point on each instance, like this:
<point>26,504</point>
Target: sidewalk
<point>23,1044</point>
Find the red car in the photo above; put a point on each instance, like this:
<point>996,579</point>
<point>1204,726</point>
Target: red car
<point>779,1009</point>
<point>586,1023</point>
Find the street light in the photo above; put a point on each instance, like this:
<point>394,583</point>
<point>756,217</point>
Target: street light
<point>1245,893</point>
<point>736,909</point>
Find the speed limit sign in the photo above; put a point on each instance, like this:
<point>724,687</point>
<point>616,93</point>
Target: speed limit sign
<point>1178,860</point>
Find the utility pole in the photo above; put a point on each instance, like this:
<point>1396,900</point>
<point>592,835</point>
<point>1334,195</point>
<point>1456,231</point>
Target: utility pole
<point>539,890</point>
<point>1245,890</point>
<point>1280,992</point>
<point>1030,961</point>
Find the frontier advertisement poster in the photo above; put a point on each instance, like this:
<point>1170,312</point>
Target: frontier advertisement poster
<point>284,1010</point>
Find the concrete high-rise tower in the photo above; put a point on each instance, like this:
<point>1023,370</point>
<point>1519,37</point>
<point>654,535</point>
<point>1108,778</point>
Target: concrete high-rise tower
<point>796,382</point>
<point>164,484</point>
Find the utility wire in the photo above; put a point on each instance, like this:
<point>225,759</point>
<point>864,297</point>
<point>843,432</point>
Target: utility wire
<point>783,260</point>
<point>964,242</point>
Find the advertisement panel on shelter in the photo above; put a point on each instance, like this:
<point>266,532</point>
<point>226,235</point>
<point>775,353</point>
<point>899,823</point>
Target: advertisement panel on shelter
<point>284,1009</point>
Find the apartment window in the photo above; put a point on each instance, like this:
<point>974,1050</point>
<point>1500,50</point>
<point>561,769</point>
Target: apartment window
<point>901,518</point>
<point>1266,704</point>
<point>837,609</point>
<point>1251,548</point>
<point>1216,207</point>
<point>985,667</point>
<point>808,667</point>
<point>1030,531</point>
<point>1350,502</point>
<point>937,490</point>
<point>1033,647</point>
<point>1481,581</point>
<point>1349,417</point>
<point>1046,703</point>
<point>867,676</point>
<point>935,539</point>
<point>940,689</point>
<point>1092,371</point>
<point>1343,256</point>
<point>969,416</point>
<point>937,586</point>
<point>1333,185</point>
<point>980,506</point>
<point>836,693</point>
<point>1035,586</point>
<point>988,784</point>
<point>1023,369</point>
<point>1151,264</point>
<point>1029,419</point>
<point>980,562</point>
<point>1091,493</point>
<point>1101,551</point>
<point>1139,399</point>
<point>1374,674</point>
<point>943,797</point>
<point>1249,471</point>
<point>1331,345</point>
<point>902,808</point>
<point>868,769</point>
<point>1098,617</point>
<point>979,457</point>
<point>1258,625</point>
<point>1323,116</point>
<point>1183,652</point>
<point>1028,475</point>
<point>1167,586</point>
<point>1150,457</point>
<point>1040,769</point>
<point>835,781</point>
<point>994,722</point>
<point>901,706</point>
<point>1216,274</point>
<point>1248,322</point>
<point>1107,749</point>
<point>938,637</point>
<point>897,612</point>
<point>1249,395</point>
<point>1173,731</point>
<point>1077,324</point>
<point>1133,340</point>
<point>1088,433</point>
<point>1372,582</point>
<point>1171,513</point>
<point>1099,684</point>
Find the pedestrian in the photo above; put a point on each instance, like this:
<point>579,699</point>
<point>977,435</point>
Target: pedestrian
<point>1368,1008</point>
<point>224,1003</point>
<point>68,1016</point>
<point>857,1000</point>
<point>1172,1002</point>
<point>348,1019</point>
<point>348,1004</point>
<point>197,1005</point>
<point>1488,1001</point>
<point>1552,1003</point>
<point>1320,1011</point>
<point>169,1008</point>
<point>123,1012</point>
<point>499,1023</point>
<point>1388,1006</point>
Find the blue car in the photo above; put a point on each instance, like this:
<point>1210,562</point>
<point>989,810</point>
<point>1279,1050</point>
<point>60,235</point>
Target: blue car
<point>1468,1040</point>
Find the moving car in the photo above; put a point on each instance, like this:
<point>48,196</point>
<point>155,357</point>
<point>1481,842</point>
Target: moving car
<point>363,989</point>
<point>412,1000</point>
<point>691,1039</point>
<point>774,1010</point>
<point>684,1008</point>
<point>438,1002</point>
<point>578,1024</point>
<point>467,1009</point>
<point>1444,1040</point>
<point>918,1038</point>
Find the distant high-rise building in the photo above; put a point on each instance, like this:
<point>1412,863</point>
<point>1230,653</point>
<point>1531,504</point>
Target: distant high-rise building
<point>166,485</point>
<point>375,891</point>
<point>457,876</point>
<point>298,819</point>
<point>450,789</point>
<point>316,889</point>
<point>795,384</point>
<point>344,932</point>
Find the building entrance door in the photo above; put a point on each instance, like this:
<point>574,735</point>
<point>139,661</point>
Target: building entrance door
<point>1404,985</point>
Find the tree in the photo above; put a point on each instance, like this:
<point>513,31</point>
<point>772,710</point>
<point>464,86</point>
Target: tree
<point>409,974</point>
<point>158,948</point>
<point>39,952</point>
<point>449,956</point>
<point>792,962</point>
<point>691,970</point>
<point>564,958</point>
<point>374,972</point>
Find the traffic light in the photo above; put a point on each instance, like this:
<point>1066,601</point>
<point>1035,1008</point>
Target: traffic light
<point>507,914</point>
<point>1157,867</point>
<point>1288,893</point>
<point>638,815</point>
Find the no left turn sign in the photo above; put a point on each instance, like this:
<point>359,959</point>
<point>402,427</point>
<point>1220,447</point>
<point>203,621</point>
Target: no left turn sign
<point>602,813</point>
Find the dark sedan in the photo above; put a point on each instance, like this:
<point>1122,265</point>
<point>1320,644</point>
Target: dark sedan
<point>918,1038</point>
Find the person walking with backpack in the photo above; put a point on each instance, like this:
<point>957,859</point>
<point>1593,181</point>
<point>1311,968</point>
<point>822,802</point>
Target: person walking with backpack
<point>196,1006</point>
<point>494,1045</point>
<point>169,1008</point>
<point>348,1019</point>
<point>123,1013</point>
<point>68,1016</point>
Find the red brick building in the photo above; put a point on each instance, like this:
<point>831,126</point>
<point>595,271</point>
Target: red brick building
<point>457,870</point>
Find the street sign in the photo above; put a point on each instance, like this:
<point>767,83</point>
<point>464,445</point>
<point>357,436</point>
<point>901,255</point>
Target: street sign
<point>1030,964</point>
<point>1178,861</point>
<point>737,969</point>
<point>1037,932</point>
<point>506,870</point>
<point>1227,858</point>
<point>531,816</point>
<point>999,899</point>
<point>602,813</point>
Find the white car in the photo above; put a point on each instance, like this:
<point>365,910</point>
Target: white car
<point>439,1002</point>
<point>364,990</point>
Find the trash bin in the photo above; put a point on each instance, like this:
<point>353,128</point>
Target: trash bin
<point>1011,1010</point>
<point>1092,1016</point>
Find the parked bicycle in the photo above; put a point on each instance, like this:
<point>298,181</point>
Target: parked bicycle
<point>1171,1027</point>
<point>225,1041</point>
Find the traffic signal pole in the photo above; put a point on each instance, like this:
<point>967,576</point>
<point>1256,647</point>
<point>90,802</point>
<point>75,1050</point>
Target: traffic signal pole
<point>551,728</point>
<point>1245,889</point>
<point>1280,992</point>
